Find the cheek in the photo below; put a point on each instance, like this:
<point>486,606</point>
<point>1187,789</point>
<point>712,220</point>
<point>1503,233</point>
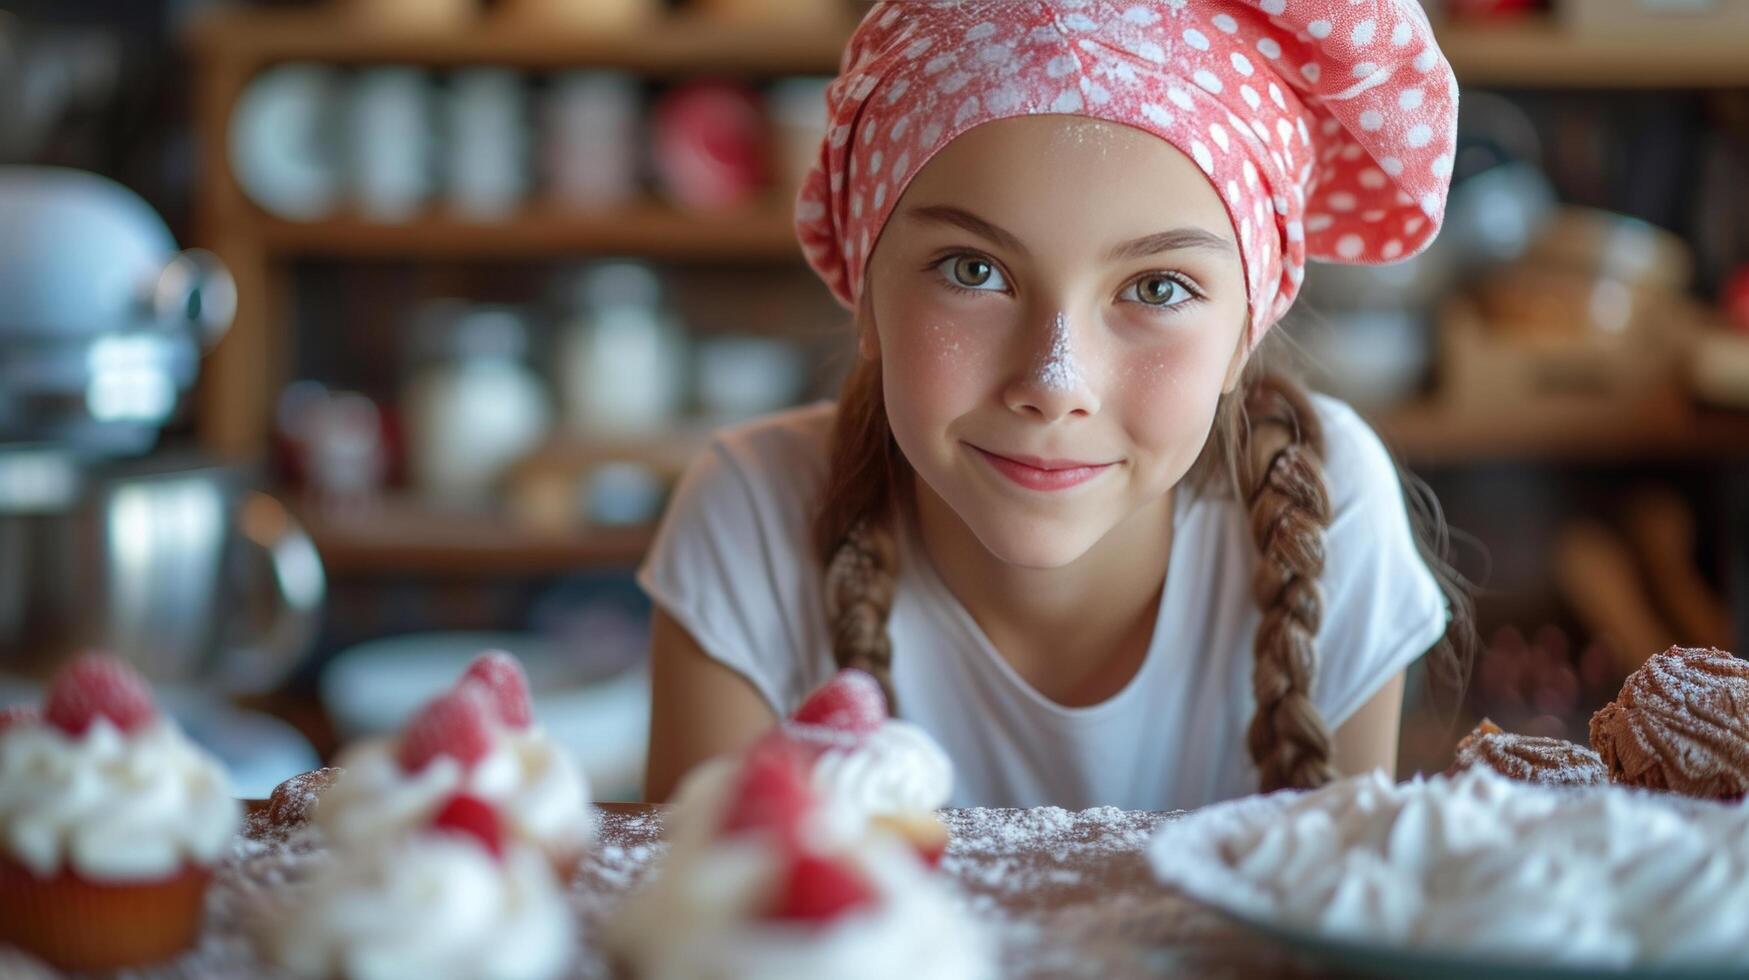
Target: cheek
<point>1169,395</point>
<point>938,364</point>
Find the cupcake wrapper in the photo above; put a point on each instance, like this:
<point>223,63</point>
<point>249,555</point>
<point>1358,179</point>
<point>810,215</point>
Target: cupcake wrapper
<point>75,924</point>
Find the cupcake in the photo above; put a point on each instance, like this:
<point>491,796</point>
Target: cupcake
<point>870,767</point>
<point>110,823</point>
<point>478,738</point>
<point>459,898</point>
<point>1528,758</point>
<point>1680,723</point>
<point>779,885</point>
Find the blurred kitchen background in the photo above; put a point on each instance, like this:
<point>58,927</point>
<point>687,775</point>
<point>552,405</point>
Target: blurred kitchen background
<point>341,340</point>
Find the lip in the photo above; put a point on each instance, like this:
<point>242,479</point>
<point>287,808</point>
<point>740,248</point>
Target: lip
<point>1034,473</point>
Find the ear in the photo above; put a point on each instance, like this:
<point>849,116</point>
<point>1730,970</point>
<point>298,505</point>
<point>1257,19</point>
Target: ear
<point>1241,357</point>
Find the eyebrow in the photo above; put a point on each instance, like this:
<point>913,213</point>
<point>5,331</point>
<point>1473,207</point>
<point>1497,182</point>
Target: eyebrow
<point>1171,241</point>
<point>1166,241</point>
<point>949,215</point>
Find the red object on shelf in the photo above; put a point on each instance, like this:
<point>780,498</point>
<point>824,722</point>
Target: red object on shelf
<point>709,145</point>
<point>1735,298</point>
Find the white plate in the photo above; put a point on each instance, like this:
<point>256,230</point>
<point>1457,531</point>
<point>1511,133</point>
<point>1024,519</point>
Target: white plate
<point>1186,854</point>
<point>372,688</point>
<point>282,140</point>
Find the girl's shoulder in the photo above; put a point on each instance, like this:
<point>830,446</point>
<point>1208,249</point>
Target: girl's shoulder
<point>1356,461</point>
<point>793,435</point>
<point>732,562</point>
<point>779,458</point>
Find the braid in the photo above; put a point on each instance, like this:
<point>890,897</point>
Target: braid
<point>859,597</point>
<point>854,529</point>
<point>1281,476</point>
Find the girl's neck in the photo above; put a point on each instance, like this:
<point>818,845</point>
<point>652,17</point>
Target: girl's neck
<point>1058,627</point>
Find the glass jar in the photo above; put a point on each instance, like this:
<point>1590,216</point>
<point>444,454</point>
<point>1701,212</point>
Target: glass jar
<point>473,406</point>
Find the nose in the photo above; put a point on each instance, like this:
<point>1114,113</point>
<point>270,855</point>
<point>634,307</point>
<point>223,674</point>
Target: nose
<point>1053,384</point>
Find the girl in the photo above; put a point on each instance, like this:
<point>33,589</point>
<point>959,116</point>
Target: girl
<point>1060,510</point>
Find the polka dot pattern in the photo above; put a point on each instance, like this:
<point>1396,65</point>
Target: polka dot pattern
<point>1347,160</point>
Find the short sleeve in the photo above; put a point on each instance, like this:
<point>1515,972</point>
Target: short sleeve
<point>731,561</point>
<point>1383,608</point>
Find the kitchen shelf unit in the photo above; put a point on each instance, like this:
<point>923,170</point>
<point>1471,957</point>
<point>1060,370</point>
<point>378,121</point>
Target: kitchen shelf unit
<point>399,536</point>
<point>231,47</point>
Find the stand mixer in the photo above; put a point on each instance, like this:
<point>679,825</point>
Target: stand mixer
<point>163,558</point>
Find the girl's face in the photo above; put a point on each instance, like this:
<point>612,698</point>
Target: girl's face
<point>1058,304</point>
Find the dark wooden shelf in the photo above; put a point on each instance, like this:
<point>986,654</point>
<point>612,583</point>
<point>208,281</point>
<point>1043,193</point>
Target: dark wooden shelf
<point>1535,52</point>
<point>763,234</point>
<point>1539,53</point>
<point>676,45</point>
<point>1663,431</point>
<point>400,536</point>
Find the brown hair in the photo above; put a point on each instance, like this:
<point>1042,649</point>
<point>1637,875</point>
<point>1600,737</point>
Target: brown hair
<point>1266,449</point>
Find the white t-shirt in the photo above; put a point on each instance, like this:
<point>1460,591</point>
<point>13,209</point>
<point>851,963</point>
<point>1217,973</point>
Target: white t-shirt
<point>733,564</point>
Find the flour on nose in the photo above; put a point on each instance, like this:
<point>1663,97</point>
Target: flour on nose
<point>1058,370</point>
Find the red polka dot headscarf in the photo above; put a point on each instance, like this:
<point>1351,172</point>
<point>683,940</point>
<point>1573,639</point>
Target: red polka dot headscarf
<point>1326,126</point>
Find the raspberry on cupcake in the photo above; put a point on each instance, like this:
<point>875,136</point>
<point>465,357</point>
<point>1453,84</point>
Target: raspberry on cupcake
<point>110,823</point>
<point>778,884</point>
<point>480,738</point>
<point>458,896</point>
<point>875,768</point>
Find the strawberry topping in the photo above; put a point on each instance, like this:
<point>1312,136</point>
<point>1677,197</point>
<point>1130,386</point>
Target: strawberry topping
<point>850,702</point>
<point>817,890</point>
<point>98,686</point>
<point>771,792</point>
<point>473,817</point>
<point>502,675</point>
<point>455,724</point>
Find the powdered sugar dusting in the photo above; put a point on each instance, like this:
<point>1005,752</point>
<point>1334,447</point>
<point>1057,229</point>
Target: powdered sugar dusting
<point>1067,895</point>
<point>1529,759</point>
<point>1070,895</point>
<point>1681,723</point>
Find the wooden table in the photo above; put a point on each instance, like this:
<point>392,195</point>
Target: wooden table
<point>1068,895</point>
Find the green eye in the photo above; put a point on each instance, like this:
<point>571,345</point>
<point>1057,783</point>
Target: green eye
<point>969,270</point>
<point>1157,290</point>
<point>1161,291</point>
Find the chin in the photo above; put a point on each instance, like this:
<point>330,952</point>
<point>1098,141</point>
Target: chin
<point>1028,541</point>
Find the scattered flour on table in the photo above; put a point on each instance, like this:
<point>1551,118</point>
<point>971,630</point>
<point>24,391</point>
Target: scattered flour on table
<point>1066,894</point>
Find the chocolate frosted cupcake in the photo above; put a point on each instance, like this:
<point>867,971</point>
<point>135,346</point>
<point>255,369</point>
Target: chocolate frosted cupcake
<point>1528,758</point>
<point>1680,723</point>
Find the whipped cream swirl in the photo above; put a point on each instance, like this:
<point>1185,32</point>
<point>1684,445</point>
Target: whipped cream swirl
<point>898,768</point>
<point>1598,877</point>
<point>526,775</point>
<point>112,806</point>
<point>432,906</point>
<point>699,920</point>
